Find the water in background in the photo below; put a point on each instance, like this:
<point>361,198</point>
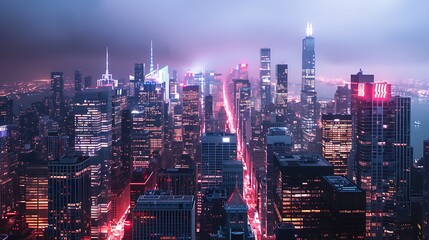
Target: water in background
<point>419,112</point>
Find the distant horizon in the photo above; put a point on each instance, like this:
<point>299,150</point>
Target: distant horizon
<point>46,36</point>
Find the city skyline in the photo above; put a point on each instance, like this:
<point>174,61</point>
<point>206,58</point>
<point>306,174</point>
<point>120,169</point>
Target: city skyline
<point>389,44</point>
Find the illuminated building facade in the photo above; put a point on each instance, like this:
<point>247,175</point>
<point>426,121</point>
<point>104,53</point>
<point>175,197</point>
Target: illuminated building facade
<point>151,100</point>
<point>191,120</point>
<point>337,141</point>
<point>265,76</point>
<point>208,113</point>
<point>6,110</point>
<point>281,89</point>
<point>216,148</point>
<point>33,184</point>
<point>164,217</point>
<point>342,100</point>
<point>93,137</point>
<point>136,83</point>
<point>278,141</point>
<point>309,114</point>
<point>298,193</point>
<point>68,194</point>
<point>140,141</point>
<point>57,94</point>
<point>375,157</point>
<point>345,205</point>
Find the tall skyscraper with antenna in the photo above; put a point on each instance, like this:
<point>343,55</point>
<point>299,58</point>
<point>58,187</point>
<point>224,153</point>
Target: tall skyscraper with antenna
<point>309,114</point>
<point>107,78</point>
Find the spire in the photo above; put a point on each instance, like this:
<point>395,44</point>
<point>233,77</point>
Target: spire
<point>151,57</point>
<point>107,61</point>
<point>309,29</point>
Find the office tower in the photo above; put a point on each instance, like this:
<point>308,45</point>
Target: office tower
<point>236,226</point>
<point>208,114</point>
<point>281,89</point>
<point>164,217</point>
<point>216,148</point>
<point>265,76</point>
<point>151,100</point>
<point>213,211</point>
<point>298,196</point>
<point>33,183</point>
<point>191,117</point>
<point>232,176</point>
<point>177,143</point>
<point>93,137</point>
<point>403,159</point>
<point>337,141</point>
<point>345,208</point>
<point>244,105</point>
<point>342,100</point>
<point>142,180</point>
<point>56,145</point>
<point>278,140</point>
<point>173,94</point>
<point>87,82</point>
<point>355,80</point>
<point>126,156</point>
<point>140,141</point>
<point>68,198</point>
<point>309,115</point>
<point>6,110</point>
<point>238,84</point>
<point>28,126</point>
<point>93,121</point>
<point>375,157</point>
<point>222,118</point>
<point>137,84</point>
<point>78,85</point>
<point>180,181</point>
<point>57,89</point>
<point>107,78</point>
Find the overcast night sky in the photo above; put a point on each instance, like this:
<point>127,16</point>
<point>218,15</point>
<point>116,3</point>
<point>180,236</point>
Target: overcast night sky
<point>388,38</point>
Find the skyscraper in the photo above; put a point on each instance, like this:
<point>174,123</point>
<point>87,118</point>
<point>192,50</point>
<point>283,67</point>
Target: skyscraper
<point>281,89</point>
<point>57,89</point>
<point>191,117</point>
<point>265,76</point>
<point>345,208</point>
<point>93,137</point>
<point>337,141</point>
<point>309,115</point>
<point>137,84</point>
<point>78,86</point>
<point>342,100</point>
<point>69,208</point>
<point>216,148</point>
<point>298,193</point>
<point>278,141</point>
<point>375,157</point>
<point>6,110</point>
<point>164,217</point>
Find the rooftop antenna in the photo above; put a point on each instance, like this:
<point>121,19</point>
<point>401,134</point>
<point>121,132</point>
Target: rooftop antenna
<point>107,61</point>
<point>151,57</point>
<point>309,29</point>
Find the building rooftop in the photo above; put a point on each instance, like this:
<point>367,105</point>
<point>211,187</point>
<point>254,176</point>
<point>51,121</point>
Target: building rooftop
<point>69,160</point>
<point>302,161</point>
<point>147,202</point>
<point>236,199</point>
<point>342,184</point>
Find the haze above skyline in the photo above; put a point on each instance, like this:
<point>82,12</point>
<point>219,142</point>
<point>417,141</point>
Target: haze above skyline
<point>385,38</point>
